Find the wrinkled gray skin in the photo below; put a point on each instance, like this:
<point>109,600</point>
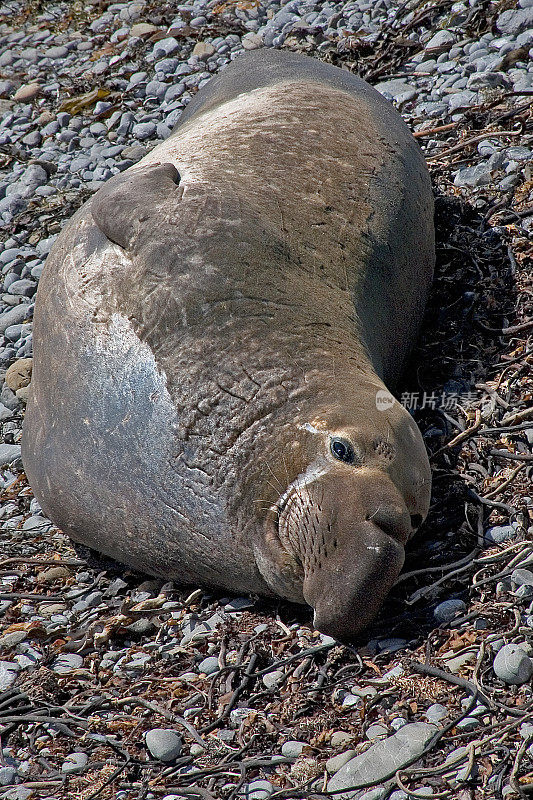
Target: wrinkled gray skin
<point>214,317</point>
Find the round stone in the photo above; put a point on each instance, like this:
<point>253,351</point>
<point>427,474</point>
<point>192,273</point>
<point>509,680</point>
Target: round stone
<point>67,662</point>
<point>447,610</point>
<point>163,744</point>
<point>74,763</point>
<point>436,713</point>
<point>56,52</point>
<point>257,790</point>
<point>498,534</point>
<point>8,776</point>
<point>292,749</point>
<point>468,724</point>
<point>520,577</point>
<point>512,665</point>
<point>272,679</point>
<point>143,130</point>
<point>209,665</point>
<point>441,39</point>
<point>376,731</point>
<point>340,738</point>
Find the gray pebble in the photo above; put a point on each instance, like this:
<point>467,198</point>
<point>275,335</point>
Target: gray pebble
<point>459,757</point>
<point>521,577</point>
<point>18,793</point>
<point>468,724</point>
<point>7,88</point>
<point>163,744</point>
<point>74,763</point>
<point>292,749</point>
<point>479,175</point>
<point>144,130</point>
<point>8,776</point>
<point>239,604</point>
<point>487,147</point>
<point>238,715</point>
<point>13,333</point>
<point>10,254</point>
<point>9,398</point>
<point>398,722</point>
<point>515,21</point>
<point>447,610</point>
<point>498,534</point>
<point>102,23</point>
<point>512,665</point>
<point>273,679</point>
<point>460,100</point>
<point>482,80</point>
<point>440,39</point>
<point>37,524</point>
<point>56,52</point>
<point>80,163</point>
<point>430,109</point>
<point>398,90</point>
<point>9,453</point>
<point>526,730</point>
<point>44,246</point>
<point>23,288</point>
<point>257,790</point>
<point>373,794</point>
<point>174,92</point>
<point>5,413</point>
<point>153,89</point>
<point>8,674</point>
<point>167,66</point>
<point>164,47</point>
<point>384,757</point>
<point>376,731</point>
<point>162,130</point>
<point>32,139</point>
<point>209,665</point>
<point>9,640</point>
<point>518,153</point>
<point>436,712</point>
<point>67,662</point>
<point>14,316</point>
<point>194,628</point>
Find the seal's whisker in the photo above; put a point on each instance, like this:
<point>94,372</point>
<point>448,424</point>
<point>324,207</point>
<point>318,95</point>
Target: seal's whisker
<point>280,485</point>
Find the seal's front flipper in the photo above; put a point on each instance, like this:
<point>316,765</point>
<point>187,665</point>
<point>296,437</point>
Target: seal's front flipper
<point>128,201</point>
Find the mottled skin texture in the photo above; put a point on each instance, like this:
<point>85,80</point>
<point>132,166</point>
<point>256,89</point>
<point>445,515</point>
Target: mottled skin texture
<point>218,316</point>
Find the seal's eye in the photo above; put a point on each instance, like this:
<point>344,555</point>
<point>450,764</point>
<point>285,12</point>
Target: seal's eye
<point>342,450</point>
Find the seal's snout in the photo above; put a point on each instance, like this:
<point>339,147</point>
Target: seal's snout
<point>351,546</point>
<point>349,591</point>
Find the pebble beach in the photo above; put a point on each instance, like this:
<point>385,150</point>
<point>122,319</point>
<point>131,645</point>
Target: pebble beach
<point>116,685</point>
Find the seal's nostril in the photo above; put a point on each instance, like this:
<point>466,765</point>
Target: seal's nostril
<point>416,520</point>
<point>392,523</point>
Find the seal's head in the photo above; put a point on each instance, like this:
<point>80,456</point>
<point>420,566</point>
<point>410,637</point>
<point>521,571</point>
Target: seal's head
<point>335,537</point>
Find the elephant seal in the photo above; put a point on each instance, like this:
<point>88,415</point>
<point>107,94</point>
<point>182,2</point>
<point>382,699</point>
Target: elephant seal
<point>215,332</point>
